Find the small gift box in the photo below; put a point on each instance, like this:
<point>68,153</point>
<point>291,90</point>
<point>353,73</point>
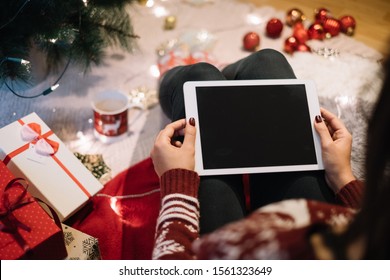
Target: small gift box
<point>80,246</point>
<point>178,58</point>
<point>190,47</point>
<point>26,230</point>
<point>31,150</point>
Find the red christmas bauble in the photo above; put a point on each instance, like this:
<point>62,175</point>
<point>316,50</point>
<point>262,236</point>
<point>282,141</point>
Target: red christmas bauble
<point>316,31</point>
<point>300,33</point>
<point>251,41</point>
<point>332,27</point>
<point>293,16</point>
<point>303,48</point>
<point>290,44</point>
<point>348,25</point>
<point>321,14</point>
<point>274,28</point>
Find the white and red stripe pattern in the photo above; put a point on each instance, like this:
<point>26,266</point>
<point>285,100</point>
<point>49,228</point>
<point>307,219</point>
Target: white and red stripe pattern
<point>178,222</point>
<point>179,207</point>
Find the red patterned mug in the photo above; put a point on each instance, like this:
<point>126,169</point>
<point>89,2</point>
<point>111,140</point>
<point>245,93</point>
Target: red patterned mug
<point>110,110</point>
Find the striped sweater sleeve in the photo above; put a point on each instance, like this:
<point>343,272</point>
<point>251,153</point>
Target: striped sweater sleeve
<point>178,221</point>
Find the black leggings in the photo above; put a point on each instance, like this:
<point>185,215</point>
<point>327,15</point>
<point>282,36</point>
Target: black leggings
<point>222,198</point>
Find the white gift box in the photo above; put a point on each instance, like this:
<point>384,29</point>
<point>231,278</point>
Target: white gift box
<point>31,150</point>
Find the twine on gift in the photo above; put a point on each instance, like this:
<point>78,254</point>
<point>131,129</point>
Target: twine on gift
<point>11,224</point>
<point>34,130</point>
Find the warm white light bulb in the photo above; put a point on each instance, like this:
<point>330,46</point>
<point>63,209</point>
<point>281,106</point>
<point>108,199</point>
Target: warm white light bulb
<point>150,3</point>
<point>154,71</point>
<point>54,87</point>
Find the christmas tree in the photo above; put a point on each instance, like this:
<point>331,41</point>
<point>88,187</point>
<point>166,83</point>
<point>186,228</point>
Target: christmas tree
<point>63,30</point>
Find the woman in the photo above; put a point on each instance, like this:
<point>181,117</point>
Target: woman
<point>303,224</point>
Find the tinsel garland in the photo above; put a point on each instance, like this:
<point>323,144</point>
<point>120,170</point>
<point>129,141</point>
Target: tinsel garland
<point>76,30</point>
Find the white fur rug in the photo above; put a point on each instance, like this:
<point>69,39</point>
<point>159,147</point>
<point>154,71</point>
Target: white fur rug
<point>347,84</point>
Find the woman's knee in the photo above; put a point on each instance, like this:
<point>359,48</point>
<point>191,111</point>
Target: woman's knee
<point>270,64</point>
<point>269,55</point>
<point>177,76</point>
<point>201,71</point>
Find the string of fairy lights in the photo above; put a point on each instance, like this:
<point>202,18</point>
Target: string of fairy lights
<point>21,61</point>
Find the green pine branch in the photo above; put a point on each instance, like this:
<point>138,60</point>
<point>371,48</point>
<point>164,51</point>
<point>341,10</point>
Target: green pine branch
<point>62,30</point>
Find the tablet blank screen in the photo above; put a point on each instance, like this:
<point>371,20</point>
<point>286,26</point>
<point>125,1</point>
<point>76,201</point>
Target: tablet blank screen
<point>254,126</point>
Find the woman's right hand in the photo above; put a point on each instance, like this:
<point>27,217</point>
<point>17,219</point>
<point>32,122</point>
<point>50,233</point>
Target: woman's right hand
<point>168,154</point>
<point>336,143</point>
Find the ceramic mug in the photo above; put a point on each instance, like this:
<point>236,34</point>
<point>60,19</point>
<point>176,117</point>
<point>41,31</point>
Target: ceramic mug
<point>110,110</point>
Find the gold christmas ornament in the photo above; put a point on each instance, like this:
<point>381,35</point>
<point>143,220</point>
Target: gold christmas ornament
<point>170,22</point>
<point>143,2</point>
<point>293,16</point>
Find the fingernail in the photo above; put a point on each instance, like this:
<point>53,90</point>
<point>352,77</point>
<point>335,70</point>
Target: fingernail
<point>192,121</point>
<point>318,119</point>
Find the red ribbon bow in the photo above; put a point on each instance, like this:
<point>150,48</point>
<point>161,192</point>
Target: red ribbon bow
<point>10,223</point>
<point>32,133</point>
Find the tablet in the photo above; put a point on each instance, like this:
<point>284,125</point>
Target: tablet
<point>254,126</point>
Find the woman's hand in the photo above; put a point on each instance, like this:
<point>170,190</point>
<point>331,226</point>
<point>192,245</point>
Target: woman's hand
<point>168,154</point>
<point>336,143</point>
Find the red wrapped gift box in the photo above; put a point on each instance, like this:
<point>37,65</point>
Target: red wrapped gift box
<point>26,230</point>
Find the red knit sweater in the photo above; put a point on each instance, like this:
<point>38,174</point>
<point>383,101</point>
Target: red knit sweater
<point>276,231</point>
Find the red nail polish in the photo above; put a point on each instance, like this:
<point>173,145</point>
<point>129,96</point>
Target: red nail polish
<point>192,121</point>
<point>318,119</point>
